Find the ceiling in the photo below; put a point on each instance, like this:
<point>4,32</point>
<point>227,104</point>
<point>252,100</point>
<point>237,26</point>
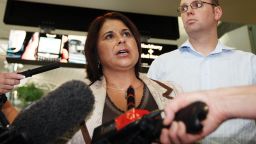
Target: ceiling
<point>235,11</point>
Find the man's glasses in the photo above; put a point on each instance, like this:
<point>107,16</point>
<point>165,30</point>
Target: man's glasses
<point>194,5</point>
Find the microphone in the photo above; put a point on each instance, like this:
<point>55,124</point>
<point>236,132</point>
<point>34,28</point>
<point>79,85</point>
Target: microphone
<point>192,115</point>
<point>52,116</point>
<point>30,72</point>
<point>148,128</point>
<point>27,73</point>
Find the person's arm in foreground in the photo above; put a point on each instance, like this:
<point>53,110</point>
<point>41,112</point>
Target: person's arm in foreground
<point>7,83</point>
<point>224,104</point>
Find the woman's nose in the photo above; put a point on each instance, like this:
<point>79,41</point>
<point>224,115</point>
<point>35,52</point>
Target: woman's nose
<point>121,39</point>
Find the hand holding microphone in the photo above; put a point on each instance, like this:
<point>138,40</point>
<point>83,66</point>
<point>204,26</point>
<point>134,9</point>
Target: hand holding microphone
<point>9,80</point>
<point>53,115</point>
<point>7,83</point>
<point>148,128</point>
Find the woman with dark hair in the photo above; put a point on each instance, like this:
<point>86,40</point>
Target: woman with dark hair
<point>113,52</point>
<point>94,69</point>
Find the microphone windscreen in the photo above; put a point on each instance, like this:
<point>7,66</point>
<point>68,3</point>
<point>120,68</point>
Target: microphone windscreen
<point>58,112</point>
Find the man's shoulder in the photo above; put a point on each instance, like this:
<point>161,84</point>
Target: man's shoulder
<point>170,54</point>
<point>237,51</point>
<point>243,53</point>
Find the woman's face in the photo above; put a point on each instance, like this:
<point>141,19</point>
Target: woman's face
<point>117,47</point>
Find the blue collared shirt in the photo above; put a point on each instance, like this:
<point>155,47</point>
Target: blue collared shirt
<point>223,67</point>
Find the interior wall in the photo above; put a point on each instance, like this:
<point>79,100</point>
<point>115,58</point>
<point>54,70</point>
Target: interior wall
<point>252,34</point>
<point>238,38</point>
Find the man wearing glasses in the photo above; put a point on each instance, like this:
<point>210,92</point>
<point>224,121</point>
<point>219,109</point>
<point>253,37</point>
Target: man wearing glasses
<point>204,63</point>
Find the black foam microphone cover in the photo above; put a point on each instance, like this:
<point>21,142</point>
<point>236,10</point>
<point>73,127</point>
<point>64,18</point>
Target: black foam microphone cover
<point>58,112</point>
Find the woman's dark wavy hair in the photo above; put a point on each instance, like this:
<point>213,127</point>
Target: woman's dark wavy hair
<point>94,68</point>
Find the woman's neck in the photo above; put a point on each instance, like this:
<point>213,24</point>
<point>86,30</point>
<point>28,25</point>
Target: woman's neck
<point>121,80</point>
<point>117,84</point>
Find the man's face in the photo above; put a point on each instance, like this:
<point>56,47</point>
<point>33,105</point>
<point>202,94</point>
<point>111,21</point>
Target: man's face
<point>203,16</point>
